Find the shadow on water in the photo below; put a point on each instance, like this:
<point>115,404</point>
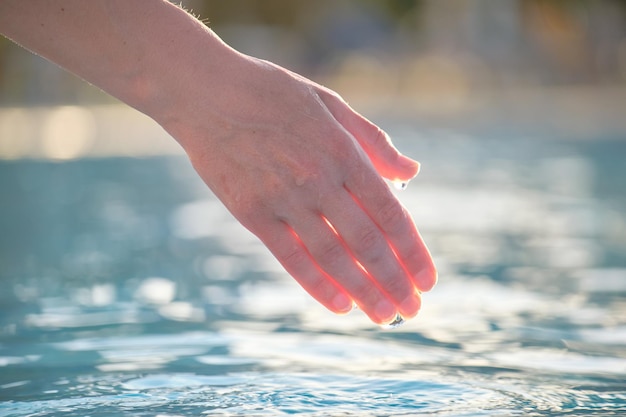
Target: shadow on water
<point>128,289</point>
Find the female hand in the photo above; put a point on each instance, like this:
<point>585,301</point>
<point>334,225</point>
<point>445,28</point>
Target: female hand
<point>289,158</point>
<point>304,172</point>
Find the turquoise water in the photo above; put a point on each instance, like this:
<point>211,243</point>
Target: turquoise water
<point>126,289</point>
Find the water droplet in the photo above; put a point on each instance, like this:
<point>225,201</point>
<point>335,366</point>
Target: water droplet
<point>400,185</point>
<point>397,322</point>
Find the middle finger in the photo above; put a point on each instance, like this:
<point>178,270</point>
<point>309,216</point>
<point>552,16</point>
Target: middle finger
<point>331,254</point>
<point>369,246</point>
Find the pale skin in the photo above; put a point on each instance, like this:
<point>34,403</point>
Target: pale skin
<point>289,158</point>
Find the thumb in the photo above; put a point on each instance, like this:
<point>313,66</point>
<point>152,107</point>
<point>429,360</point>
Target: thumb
<point>376,143</point>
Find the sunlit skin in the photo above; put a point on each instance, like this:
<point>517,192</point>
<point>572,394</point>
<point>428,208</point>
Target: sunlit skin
<point>289,158</point>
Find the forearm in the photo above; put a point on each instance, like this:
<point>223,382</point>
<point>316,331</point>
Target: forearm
<point>141,52</point>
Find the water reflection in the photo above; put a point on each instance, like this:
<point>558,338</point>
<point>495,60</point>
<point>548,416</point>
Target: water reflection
<point>121,298</point>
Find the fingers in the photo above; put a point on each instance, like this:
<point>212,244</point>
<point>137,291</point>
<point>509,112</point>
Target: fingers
<point>289,250</point>
<point>349,241</point>
<point>346,255</point>
<point>332,255</point>
<point>387,160</point>
<point>370,247</point>
<point>396,224</point>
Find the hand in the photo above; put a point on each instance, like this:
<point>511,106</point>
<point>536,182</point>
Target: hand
<point>288,157</point>
<point>302,171</point>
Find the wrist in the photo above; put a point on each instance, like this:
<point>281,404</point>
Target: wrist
<point>176,59</point>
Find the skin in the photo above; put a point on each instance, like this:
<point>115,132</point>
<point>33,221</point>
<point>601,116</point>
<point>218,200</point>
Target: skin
<point>289,158</point>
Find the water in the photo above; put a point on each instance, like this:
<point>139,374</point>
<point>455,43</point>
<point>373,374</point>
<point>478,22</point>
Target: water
<point>126,289</point>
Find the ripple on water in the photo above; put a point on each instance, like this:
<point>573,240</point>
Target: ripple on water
<point>156,304</point>
<point>267,394</point>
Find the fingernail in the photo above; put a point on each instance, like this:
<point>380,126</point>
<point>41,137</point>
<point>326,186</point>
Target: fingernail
<point>409,163</point>
<point>410,306</point>
<point>426,279</point>
<point>342,304</point>
<point>385,311</point>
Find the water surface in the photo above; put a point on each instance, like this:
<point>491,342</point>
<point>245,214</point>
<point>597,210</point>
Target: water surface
<point>127,289</point>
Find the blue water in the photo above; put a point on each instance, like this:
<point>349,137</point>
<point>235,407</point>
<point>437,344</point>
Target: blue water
<point>126,289</point>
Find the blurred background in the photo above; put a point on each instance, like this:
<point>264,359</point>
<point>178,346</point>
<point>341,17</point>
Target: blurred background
<point>120,273</point>
<point>475,66</point>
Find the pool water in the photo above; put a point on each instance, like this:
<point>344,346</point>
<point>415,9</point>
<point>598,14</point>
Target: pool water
<point>127,289</point>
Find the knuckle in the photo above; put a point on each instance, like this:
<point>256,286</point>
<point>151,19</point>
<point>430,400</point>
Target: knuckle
<point>379,138</point>
<point>368,244</point>
<point>342,149</point>
<point>391,215</point>
<point>249,211</point>
<point>326,93</point>
<point>272,203</point>
<point>294,257</point>
<point>330,253</point>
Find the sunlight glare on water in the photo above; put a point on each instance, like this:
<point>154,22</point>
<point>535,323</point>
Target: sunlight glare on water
<point>122,299</point>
